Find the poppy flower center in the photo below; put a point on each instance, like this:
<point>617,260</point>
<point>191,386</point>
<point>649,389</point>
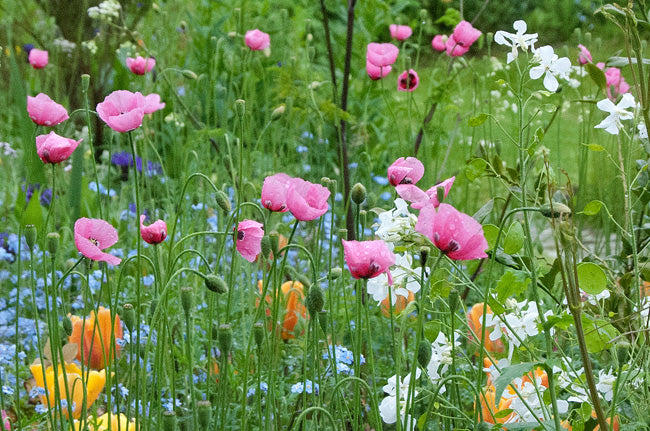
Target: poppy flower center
<point>94,241</point>
<point>240,235</point>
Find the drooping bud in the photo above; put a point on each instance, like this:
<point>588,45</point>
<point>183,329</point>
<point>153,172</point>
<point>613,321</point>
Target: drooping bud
<point>128,316</point>
<point>67,326</point>
<point>322,320</point>
<point>216,284</point>
<point>314,300</point>
<point>187,299</point>
<point>267,249</point>
<point>189,74</point>
<point>278,112</point>
<point>30,235</point>
<point>336,273</point>
<point>424,354</point>
<point>358,193</point>
<point>223,201</point>
<point>52,242</point>
<point>258,333</point>
<point>225,339</point>
<point>558,210</point>
<point>205,414</point>
<point>240,107</point>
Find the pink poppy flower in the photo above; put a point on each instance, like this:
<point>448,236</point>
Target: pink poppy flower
<point>454,49</point>
<point>52,148</point>
<point>405,171</point>
<point>152,103</point>
<point>45,111</point>
<point>92,235</point>
<point>5,421</point>
<point>381,54</point>
<point>140,65</point>
<point>38,58</point>
<point>375,73</point>
<point>457,235</point>
<point>122,110</point>
<point>408,81</point>
<point>585,56</point>
<point>274,192</point>
<point>249,239</point>
<point>257,40</point>
<point>155,233</point>
<point>465,35</point>
<point>438,42</point>
<point>306,201</point>
<point>368,259</point>
<point>400,32</point>
<point>616,84</point>
<point>419,198</point>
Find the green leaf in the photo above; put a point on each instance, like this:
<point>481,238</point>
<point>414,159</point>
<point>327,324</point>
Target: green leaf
<point>596,147</point>
<point>477,120</point>
<point>475,169</point>
<point>591,278</point>
<point>508,375</point>
<point>597,75</point>
<point>490,232</point>
<point>563,322</point>
<point>592,208</point>
<point>483,212</point>
<point>510,285</point>
<point>496,306</point>
<point>598,334</point>
<point>514,238</point>
<point>502,413</point>
<point>33,214</point>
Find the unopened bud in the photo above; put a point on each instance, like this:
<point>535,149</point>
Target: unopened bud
<point>205,414</point>
<point>558,210</point>
<point>336,273</point>
<point>314,300</point>
<point>266,246</point>
<point>258,333</point>
<point>128,316</point>
<point>454,300</point>
<point>225,339</point>
<point>423,14</point>
<point>187,299</point>
<point>322,320</point>
<point>52,242</point>
<point>424,353</point>
<point>30,235</point>
<point>278,112</point>
<point>325,181</point>
<point>358,193</point>
<point>152,308</point>
<point>170,421</point>
<point>274,241</point>
<point>489,37</point>
<point>223,201</point>
<point>67,326</point>
<point>232,34</point>
<point>189,74</point>
<point>240,107</point>
<point>85,82</point>
<point>216,284</point>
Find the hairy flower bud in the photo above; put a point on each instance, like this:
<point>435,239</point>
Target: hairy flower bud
<point>278,112</point>
<point>187,299</point>
<point>216,284</point>
<point>67,326</point>
<point>336,273</point>
<point>85,82</point>
<point>52,242</point>
<point>205,414</point>
<point>314,301</point>
<point>258,333</point>
<point>424,353</point>
<point>128,316</point>
<point>170,421</point>
<point>189,74</point>
<point>358,193</point>
<point>267,249</point>
<point>223,201</point>
<point>322,320</point>
<point>30,235</point>
<point>225,339</point>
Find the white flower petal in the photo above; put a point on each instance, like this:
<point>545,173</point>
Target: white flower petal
<point>550,82</point>
<point>536,72</point>
<point>520,26</point>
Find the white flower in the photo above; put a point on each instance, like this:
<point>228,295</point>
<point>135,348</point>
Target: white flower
<point>396,223</point>
<point>106,11</point>
<point>405,280</point>
<point>606,384</point>
<point>441,350</point>
<point>551,65</point>
<point>643,131</point>
<point>516,40</point>
<point>389,405</point>
<point>612,124</point>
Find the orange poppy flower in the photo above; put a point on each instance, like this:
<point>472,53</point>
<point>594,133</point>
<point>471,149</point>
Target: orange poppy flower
<point>102,423</point>
<point>293,300</point>
<point>475,320</point>
<point>399,306</point>
<point>97,336</point>
<point>70,383</point>
<point>489,407</point>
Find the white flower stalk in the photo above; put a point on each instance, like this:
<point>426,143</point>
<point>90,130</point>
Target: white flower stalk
<point>617,113</point>
<point>405,280</point>
<point>516,40</point>
<point>551,67</point>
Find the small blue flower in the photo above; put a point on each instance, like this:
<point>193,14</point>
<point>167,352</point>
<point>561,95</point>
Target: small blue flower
<point>381,180</point>
<point>302,149</point>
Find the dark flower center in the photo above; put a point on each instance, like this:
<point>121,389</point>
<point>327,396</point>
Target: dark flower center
<point>240,235</point>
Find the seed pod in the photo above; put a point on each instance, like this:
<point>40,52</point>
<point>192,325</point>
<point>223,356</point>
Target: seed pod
<point>424,354</point>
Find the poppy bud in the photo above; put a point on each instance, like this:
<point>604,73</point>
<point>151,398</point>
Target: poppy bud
<point>187,299</point>
<point>67,326</point>
<point>85,82</point>
<point>30,235</point>
<point>128,316</point>
<point>453,300</point>
<point>170,421</point>
<point>489,37</point>
<point>558,210</point>
<point>205,414</point>
<point>258,333</point>
<point>52,242</point>
<point>274,241</point>
<point>240,107</point>
<point>325,181</point>
<point>322,320</point>
<point>588,38</point>
<point>424,354</point>
<point>152,308</point>
<point>336,273</point>
<point>223,201</point>
<point>424,254</point>
<point>216,284</point>
<point>266,246</point>
<point>424,14</point>
<point>358,193</point>
<point>314,300</point>
<point>189,74</point>
<point>225,339</point>
<point>277,112</point>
